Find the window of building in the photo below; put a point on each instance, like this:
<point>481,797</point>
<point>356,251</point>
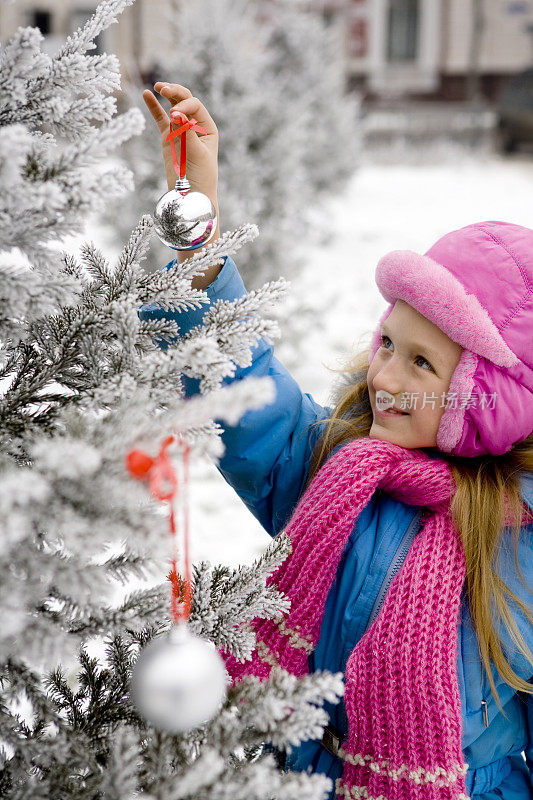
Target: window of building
<point>402,30</point>
<point>42,20</point>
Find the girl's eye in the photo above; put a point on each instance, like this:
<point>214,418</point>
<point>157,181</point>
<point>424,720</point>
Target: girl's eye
<point>418,358</point>
<point>421,358</point>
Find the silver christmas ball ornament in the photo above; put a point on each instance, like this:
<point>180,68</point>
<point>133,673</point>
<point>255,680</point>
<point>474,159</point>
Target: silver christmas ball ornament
<point>178,681</point>
<point>184,220</point>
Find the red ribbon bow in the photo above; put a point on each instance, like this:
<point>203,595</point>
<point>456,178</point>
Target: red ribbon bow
<point>163,484</point>
<point>190,124</point>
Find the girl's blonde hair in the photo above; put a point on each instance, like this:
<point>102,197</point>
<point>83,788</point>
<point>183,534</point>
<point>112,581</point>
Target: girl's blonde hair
<point>487,493</point>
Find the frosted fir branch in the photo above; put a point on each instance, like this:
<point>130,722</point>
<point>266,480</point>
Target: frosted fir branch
<point>236,326</point>
<point>227,404</point>
<point>285,710</point>
<point>18,679</point>
<point>26,294</point>
<point>114,134</point>
<point>134,419</point>
<point>93,108</point>
<point>128,564</point>
<point>53,91</point>
<point>82,39</point>
<point>222,596</point>
<point>211,363</point>
<point>274,555</point>
<point>69,265</point>
<point>20,60</point>
<point>177,297</point>
<point>58,107</point>
<point>262,780</point>
<point>170,290</point>
<point>138,609</point>
<point>225,314</point>
<point>120,778</point>
<point>193,418</point>
<point>88,73</point>
<point>236,350</point>
<point>15,142</point>
<point>73,588</point>
<point>205,440</point>
<point>95,263</point>
<point>227,244</point>
<point>126,402</point>
<point>77,331</point>
<point>72,165</point>
<point>25,227</point>
<point>162,329</point>
<point>75,122</point>
<point>304,718</point>
<point>102,187</point>
<point>118,282</point>
<point>200,775</point>
<point>132,254</point>
<point>153,288</point>
<point>102,141</point>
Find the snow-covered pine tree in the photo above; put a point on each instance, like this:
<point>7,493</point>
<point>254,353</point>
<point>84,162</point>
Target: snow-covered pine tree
<point>82,381</point>
<point>308,68</point>
<point>272,77</point>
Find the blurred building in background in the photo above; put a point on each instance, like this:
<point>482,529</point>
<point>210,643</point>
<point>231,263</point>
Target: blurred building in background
<point>439,50</point>
<point>434,49</point>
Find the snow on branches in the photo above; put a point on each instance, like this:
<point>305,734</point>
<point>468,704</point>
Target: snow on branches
<point>86,373</point>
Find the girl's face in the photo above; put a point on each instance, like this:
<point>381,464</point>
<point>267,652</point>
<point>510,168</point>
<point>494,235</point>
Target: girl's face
<point>413,366</point>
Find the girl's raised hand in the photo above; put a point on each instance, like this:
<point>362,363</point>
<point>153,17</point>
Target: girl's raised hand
<point>202,149</point>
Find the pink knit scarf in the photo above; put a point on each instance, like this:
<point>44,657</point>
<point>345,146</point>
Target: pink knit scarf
<point>402,696</point>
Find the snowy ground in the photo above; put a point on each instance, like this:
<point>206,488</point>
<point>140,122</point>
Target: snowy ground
<point>386,207</point>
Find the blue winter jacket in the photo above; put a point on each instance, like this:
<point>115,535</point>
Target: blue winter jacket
<point>266,462</point>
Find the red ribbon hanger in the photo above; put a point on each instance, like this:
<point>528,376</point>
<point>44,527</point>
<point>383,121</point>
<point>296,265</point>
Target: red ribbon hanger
<point>163,485</point>
<point>190,124</point>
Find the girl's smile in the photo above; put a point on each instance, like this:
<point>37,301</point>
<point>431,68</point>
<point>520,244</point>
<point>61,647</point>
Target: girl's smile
<point>385,405</point>
<point>390,412</point>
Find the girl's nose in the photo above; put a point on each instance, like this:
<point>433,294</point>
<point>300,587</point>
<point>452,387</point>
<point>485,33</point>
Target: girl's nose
<point>389,379</point>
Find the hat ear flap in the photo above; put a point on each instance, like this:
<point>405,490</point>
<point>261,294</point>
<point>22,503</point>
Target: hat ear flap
<point>488,411</point>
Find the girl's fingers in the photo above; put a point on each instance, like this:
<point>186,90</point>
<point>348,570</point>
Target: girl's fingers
<point>182,99</point>
<point>192,107</point>
<point>172,91</point>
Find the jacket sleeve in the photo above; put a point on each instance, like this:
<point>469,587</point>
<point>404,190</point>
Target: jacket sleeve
<point>267,453</point>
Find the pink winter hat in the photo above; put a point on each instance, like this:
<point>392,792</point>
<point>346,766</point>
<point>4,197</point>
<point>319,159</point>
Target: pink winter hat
<point>476,285</point>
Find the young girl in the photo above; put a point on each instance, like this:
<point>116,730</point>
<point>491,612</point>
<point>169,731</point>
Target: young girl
<point>401,503</point>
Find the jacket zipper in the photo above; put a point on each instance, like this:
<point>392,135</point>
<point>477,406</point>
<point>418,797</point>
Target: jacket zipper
<point>484,707</point>
<point>396,564</point>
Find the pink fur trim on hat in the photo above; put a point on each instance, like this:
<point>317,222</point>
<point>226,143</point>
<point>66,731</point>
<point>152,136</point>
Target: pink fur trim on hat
<point>376,337</point>
<point>462,385</point>
<point>435,293</point>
